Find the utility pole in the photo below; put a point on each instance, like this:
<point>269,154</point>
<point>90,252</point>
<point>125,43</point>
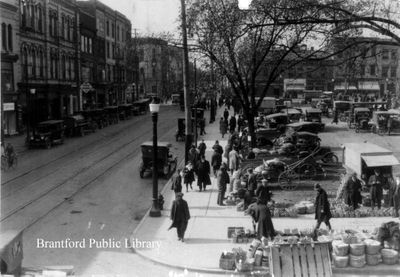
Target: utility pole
<point>136,65</point>
<point>186,91</point>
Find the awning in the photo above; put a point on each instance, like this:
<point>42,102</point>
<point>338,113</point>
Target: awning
<point>343,87</point>
<point>383,160</point>
<point>368,85</point>
<point>295,87</point>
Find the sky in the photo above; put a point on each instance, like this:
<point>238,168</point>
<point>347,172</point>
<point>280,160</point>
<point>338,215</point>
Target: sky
<point>149,16</point>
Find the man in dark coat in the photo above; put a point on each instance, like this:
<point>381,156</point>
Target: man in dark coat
<point>263,192</point>
<point>251,182</point>
<point>202,148</point>
<point>262,216</point>
<point>352,191</point>
<point>177,182</point>
<point>322,208</point>
<point>376,183</point>
<point>203,173</point>
<point>193,156</point>
<point>216,161</point>
<point>202,126</point>
<point>222,180</point>
<point>217,147</point>
<point>180,216</point>
<point>232,124</point>
<point>240,123</point>
<point>226,114</point>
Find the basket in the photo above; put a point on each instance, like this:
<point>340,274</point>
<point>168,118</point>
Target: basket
<point>341,261</point>
<point>227,261</point>
<point>242,266</point>
<point>390,256</point>
<point>373,259</point>
<point>357,261</point>
<point>372,247</point>
<point>340,249</point>
<point>357,249</point>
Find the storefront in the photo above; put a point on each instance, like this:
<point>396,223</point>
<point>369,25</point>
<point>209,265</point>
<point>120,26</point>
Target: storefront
<point>294,88</point>
<point>369,88</point>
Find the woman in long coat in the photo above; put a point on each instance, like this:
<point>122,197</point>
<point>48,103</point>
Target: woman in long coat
<point>188,176</point>
<point>262,216</point>
<point>234,160</point>
<point>352,191</point>
<point>223,127</point>
<point>203,173</point>
<point>180,216</point>
<point>322,208</point>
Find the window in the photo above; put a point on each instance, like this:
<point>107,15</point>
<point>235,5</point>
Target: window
<point>72,68</point>
<point>51,66</point>
<point>108,28</point>
<point>113,30</point>
<point>385,70</point>
<point>63,26</point>
<point>24,15</point>
<point>40,21</point>
<point>373,51</point>
<point>117,33</point>
<point>113,51</point>
<point>68,68</point>
<point>108,49</point>
<point>30,63</point>
<point>41,63</point>
<point>90,45</point>
<point>362,70</point>
<point>82,43</point>
<point>385,54</point>
<point>32,16</point>
<point>4,37</point>
<point>24,62</point>
<point>63,67</point>
<point>372,70</point>
<point>71,29</point>
<point>393,71</point>
<point>394,54</point>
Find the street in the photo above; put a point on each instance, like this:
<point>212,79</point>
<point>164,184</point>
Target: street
<point>87,188</point>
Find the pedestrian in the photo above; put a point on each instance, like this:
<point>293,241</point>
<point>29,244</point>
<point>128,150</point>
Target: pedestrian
<point>188,176</point>
<point>216,161</point>
<point>251,182</point>
<point>180,216</point>
<point>218,148</point>
<point>203,173</point>
<point>335,117</point>
<point>322,208</point>
<point>376,183</point>
<point>263,193</point>
<point>10,154</point>
<point>228,148</point>
<point>223,127</point>
<point>234,159</point>
<point>261,215</point>
<point>222,180</point>
<point>177,182</point>
<point>352,189</point>
<point>202,126</point>
<point>202,148</point>
<point>232,124</point>
<point>395,197</point>
<point>193,156</point>
<point>226,114</point>
<point>240,123</point>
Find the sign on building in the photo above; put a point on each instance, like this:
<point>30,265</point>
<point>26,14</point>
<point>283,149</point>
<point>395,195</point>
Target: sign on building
<point>86,87</point>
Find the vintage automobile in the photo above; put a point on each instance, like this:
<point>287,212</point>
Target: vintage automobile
<point>175,98</point>
<point>313,127</point>
<point>312,115</point>
<point>386,122</point>
<point>77,125</point>
<point>198,115</point>
<point>166,161</point>
<point>306,141</point>
<point>342,108</point>
<point>277,121</point>
<point>47,133</point>
<point>363,158</point>
<point>360,118</point>
<point>141,106</point>
<point>266,136</point>
<point>293,114</point>
<point>125,111</point>
<point>112,114</point>
<point>97,117</point>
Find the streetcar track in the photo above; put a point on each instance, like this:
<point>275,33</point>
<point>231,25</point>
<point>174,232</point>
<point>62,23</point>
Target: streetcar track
<point>102,138</point>
<point>77,174</point>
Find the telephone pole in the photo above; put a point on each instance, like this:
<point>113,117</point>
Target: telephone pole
<point>186,91</point>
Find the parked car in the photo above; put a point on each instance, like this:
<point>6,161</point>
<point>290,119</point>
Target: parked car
<point>47,133</point>
<point>77,125</point>
<point>386,122</point>
<point>313,127</point>
<point>166,161</point>
<point>312,115</point>
<point>360,119</point>
<point>294,114</point>
<point>277,121</point>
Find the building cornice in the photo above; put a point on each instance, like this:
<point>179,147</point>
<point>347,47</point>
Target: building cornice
<point>8,6</point>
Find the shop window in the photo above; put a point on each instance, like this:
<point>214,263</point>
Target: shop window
<point>385,54</point>
<point>385,70</point>
<point>372,71</point>
<point>393,72</point>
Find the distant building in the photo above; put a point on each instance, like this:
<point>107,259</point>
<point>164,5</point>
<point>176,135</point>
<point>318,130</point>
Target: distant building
<point>160,67</point>
<point>11,111</point>
<point>371,68</point>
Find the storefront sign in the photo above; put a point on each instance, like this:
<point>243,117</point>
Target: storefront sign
<point>8,106</point>
<point>86,87</point>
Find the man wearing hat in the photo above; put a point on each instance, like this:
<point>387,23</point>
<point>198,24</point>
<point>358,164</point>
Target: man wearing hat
<point>251,182</point>
<point>180,216</point>
<point>322,207</point>
<point>376,183</point>
<point>263,192</point>
<point>222,180</point>
<point>352,191</point>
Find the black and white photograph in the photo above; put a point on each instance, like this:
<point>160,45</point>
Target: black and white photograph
<point>200,138</point>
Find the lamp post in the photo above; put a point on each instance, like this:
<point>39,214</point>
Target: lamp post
<point>155,211</point>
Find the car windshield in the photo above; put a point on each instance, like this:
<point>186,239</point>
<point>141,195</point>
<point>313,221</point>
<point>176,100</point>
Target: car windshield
<point>44,128</point>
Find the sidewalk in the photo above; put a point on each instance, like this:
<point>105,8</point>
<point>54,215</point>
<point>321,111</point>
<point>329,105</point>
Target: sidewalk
<point>206,235</point>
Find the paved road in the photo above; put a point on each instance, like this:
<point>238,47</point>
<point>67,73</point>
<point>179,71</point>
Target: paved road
<point>87,188</point>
